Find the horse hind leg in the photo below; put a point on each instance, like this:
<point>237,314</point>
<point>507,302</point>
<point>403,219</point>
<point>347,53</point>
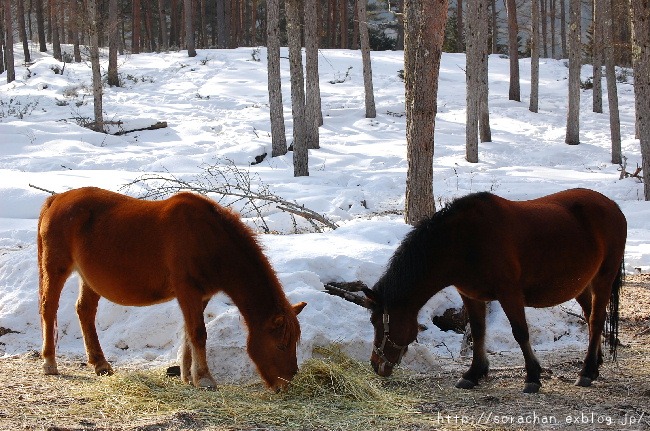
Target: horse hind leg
<point>86,311</point>
<point>480,364</point>
<point>52,277</point>
<point>584,299</point>
<point>516,314</point>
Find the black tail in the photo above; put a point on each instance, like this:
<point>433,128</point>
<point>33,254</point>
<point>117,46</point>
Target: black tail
<point>611,326</point>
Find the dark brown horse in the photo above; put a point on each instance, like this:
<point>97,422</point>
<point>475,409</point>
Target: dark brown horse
<point>536,253</point>
<point>135,252</point>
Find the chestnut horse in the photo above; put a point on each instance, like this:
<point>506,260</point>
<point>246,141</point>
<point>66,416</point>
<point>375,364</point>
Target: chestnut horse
<point>536,253</point>
<point>134,252</point>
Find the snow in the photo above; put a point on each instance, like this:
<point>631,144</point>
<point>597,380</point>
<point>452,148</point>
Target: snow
<point>216,106</point>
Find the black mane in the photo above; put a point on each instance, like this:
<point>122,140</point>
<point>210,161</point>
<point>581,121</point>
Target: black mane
<point>415,255</point>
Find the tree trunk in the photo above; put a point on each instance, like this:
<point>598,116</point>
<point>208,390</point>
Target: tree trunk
<point>313,115</point>
<point>9,42</point>
<point>56,36</point>
<point>472,79</point>
<point>563,27</point>
<point>553,14</point>
<point>91,8</point>
<point>162,17</point>
<point>344,24</point>
<point>597,56</point>
<point>113,40</point>
<point>495,29</point>
<point>641,28</point>
<point>485,132</point>
<point>189,28</point>
<point>23,30</point>
<point>612,93</point>
<point>575,63</point>
<point>534,57</point>
<point>543,41</point>
<point>278,136</point>
<point>137,22</point>
<point>399,43</point>
<point>424,23</point>
<point>222,29</point>
<point>300,153</point>
<point>40,25</point>
<point>514,92</point>
<point>460,30</point>
<point>365,56</point>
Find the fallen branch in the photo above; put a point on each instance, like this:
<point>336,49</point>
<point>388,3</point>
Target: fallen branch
<point>42,189</point>
<point>571,313</point>
<point>155,126</point>
<point>625,174</point>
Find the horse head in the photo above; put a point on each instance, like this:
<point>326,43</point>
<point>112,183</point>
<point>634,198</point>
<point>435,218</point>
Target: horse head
<point>272,347</point>
<point>394,330</point>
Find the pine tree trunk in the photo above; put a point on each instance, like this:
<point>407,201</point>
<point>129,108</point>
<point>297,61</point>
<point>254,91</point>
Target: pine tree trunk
<point>495,29</point>
<point>313,115</point>
<point>137,22</point>
<point>460,27</point>
<point>597,56</point>
<point>344,24</point>
<point>113,20</point>
<point>9,42</point>
<point>91,7</point>
<point>54,24</point>
<point>563,27</point>
<point>300,153</point>
<point>365,56</point>
<point>278,134</point>
<point>189,28</point>
<point>162,18</point>
<point>553,15</point>
<point>641,51</point>
<point>534,57</point>
<point>575,63</point>
<point>424,31</point>
<point>612,93</point>
<point>514,92</point>
<point>472,80</point>
<point>222,30</point>
<point>23,30</point>
<point>542,17</point>
<point>40,25</point>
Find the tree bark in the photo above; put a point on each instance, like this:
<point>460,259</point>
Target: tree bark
<point>485,132</point>
<point>460,27</point>
<point>313,114</point>
<point>575,63</point>
<point>91,7</point>
<point>23,30</point>
<point>365,56</point>
<point>597,56</point>
<point>9,42</point>
<point>40,25</point>
<point>162,18</point>
<point>54,24</point>
<point>278,134</point>
<point>136,26</point>
<point>189,28</point>
<point>534,57</point>
<point>542,41</point>
<point>514,92</point>
<point>472,79</point>
<point>641,58</point>
<point>612,93</point>
<point>113,41</point>
<point>563,27</point>
<point>300,152</point>
<point>424,31</point>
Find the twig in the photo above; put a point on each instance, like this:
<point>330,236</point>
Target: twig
<point>42,189</point>
<point>571,313</point>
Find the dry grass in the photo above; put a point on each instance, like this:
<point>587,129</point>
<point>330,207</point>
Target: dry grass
<point>336,393</point>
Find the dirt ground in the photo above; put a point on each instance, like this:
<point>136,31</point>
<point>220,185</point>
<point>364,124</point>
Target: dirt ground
<point>619,400</point>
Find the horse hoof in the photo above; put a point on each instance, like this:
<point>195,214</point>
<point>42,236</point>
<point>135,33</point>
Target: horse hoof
<point>465,384</point>
<point>174,371</point>
<point>531,388</point>
<point>104,370</point>
<point>50,370</point>
<point>583,381</point>
<point>206,383</point>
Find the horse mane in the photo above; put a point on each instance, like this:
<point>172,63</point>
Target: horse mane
<point>412,259</point>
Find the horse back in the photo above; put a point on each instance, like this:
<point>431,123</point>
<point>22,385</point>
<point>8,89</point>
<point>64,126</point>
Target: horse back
<point>135,252</point>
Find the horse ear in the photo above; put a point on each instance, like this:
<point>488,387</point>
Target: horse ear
<point>297,308</point>
<point>371,297</point>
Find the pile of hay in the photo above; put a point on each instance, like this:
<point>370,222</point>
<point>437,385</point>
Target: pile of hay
<point>334,392</point>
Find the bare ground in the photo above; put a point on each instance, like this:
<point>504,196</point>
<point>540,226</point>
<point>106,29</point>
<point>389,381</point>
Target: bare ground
<point>618,400</point>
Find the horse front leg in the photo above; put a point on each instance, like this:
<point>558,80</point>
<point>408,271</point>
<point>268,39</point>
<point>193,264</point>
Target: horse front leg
<point>186,354</point>
<point>192,306</point>
<point>86,311</point>
<point>514,309</point>
<point>480,364</point>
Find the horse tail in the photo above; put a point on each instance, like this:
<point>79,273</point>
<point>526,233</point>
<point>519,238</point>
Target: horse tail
<point>611,326</point>
<point>39,243</point>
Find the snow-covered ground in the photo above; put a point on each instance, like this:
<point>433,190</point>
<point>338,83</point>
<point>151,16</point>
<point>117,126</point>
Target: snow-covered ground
<point>216,106</point>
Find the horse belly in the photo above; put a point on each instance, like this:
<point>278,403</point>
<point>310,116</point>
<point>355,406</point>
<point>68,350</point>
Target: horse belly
<point>553,292</point>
